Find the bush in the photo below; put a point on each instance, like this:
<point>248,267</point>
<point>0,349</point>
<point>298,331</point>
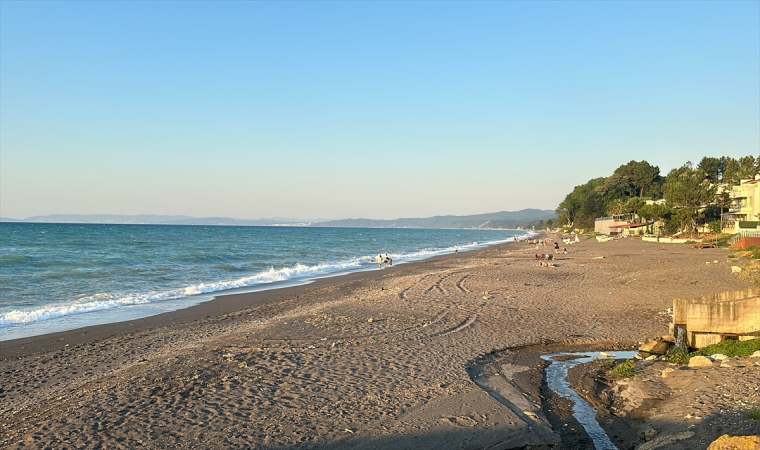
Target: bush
<point>678,356</point>
<point>733,348</point>
<point>626,369</point>
<point>754,413</point>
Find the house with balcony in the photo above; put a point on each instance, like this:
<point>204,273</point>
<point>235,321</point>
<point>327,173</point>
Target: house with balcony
<point>744,212</point>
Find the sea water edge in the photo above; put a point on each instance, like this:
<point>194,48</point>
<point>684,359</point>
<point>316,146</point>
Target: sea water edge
<point>58,277</point>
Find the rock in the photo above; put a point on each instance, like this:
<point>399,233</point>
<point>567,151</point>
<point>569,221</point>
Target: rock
<point>756,354</point>
<point>654,347</point>
<point>718,357</point>
<point>650,433</point>
<point>697,362</point>
<point>667,372</point>
<point>607,355</point>
<point>650,358</point>
<point>668,338</point>
<point>736,269</point>
<point>727,442</point>
<point>726,365</point>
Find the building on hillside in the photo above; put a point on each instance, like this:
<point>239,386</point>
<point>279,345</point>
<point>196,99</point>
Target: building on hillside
<point>744,212</point>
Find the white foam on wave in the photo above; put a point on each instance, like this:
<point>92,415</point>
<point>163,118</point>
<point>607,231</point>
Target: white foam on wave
<point>106,301</point>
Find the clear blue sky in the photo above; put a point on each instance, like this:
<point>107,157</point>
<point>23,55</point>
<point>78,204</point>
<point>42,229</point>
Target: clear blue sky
<point>359,109</point>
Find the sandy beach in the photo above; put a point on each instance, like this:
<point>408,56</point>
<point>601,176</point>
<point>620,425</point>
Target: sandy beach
<point>440,354</point>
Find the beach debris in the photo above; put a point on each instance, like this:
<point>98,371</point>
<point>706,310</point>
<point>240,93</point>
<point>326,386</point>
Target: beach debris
<point>667,371</point>
<point>485,295</point>
<point>736,269</point>
<point>654,347</point>
<point>696,362</point>
<point>727,442</point>
<point>348,430</point>
<point>370,320</point>
<point>229,356</point>
<point>598,257</point>
<point>607,355</point>
<point>311,346</point>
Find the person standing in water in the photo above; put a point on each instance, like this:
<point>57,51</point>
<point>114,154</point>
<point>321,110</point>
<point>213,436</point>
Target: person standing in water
<point>456,249</point>
<point>379,260</point>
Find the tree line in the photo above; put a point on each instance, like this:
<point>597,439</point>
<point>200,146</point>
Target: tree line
<point>691,193</point>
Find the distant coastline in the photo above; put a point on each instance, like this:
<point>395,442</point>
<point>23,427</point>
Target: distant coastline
<point>497,220</point>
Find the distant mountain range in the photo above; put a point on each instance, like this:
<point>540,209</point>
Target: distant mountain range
<point>504,219</point>
<point>148,219</point>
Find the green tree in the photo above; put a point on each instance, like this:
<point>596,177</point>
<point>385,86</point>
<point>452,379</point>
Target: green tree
<point>687,188</point>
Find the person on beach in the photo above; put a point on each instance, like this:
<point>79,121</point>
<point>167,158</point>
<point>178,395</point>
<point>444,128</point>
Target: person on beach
<point>556,246</point>
<point>456,249</point>
<point>388,260</point>
<point>379,260</point>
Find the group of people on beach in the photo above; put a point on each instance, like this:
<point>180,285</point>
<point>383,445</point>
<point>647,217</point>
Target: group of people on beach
<point>383,261</point>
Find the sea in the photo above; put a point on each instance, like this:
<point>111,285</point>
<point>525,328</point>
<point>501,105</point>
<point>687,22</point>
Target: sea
<point>57,277</point>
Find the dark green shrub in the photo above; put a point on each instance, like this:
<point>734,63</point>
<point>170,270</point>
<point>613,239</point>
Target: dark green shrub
<point>626,369</point>
<point>732,348</point>
<point>678,356</point>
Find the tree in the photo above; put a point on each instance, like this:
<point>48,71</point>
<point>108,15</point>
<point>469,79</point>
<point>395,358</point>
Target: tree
<point>687,188</point>
<point>714,168</point>
<point>633,179</point>
<point>634,205</point>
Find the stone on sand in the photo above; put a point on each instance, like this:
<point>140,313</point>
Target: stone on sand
<point>667,372</point>
<point>756,354</point>
<point>727,442</point>
<point>699,361</point>
<point>718,357</point>
<point>654,347</point>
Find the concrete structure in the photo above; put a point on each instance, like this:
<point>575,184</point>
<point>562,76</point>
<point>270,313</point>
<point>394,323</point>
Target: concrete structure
<point>630,229</point>
<point>711,319</point>
<point>744,212</point>
<point>603,224</point>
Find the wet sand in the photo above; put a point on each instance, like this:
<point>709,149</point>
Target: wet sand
<point>383,359</point>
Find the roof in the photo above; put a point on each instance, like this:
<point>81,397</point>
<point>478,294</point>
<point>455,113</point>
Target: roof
<point>630,225</point>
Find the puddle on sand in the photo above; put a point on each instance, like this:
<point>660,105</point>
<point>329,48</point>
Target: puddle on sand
<point>556,378</point>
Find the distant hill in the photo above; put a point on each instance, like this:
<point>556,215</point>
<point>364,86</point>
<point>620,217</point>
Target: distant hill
<point>503,219</point>
<point>148,219</point>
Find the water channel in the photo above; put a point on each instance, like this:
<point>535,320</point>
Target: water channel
<point>556,378</point>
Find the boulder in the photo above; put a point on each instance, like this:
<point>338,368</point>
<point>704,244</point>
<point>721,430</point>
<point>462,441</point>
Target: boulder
<point>654,347</point>
<point>727,442</point>
<point>756,354</point>
<point>697,362</point>
<point>718,357</point>
<point>668,338</point>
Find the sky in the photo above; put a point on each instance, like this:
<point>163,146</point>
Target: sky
<point>360,109</point>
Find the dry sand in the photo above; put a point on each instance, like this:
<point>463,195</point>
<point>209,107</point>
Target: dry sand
<point>398,358</point>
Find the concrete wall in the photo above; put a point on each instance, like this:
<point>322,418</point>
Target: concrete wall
<point>708,319</point>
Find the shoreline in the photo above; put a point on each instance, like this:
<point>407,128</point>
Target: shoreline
<point>439,354</point>
<point>223,302</point>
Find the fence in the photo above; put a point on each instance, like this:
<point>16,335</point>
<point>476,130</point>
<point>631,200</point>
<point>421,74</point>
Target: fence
<point>741,235</point>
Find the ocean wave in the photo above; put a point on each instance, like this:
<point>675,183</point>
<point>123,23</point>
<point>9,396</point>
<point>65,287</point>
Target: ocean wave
<point>106,301</point>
